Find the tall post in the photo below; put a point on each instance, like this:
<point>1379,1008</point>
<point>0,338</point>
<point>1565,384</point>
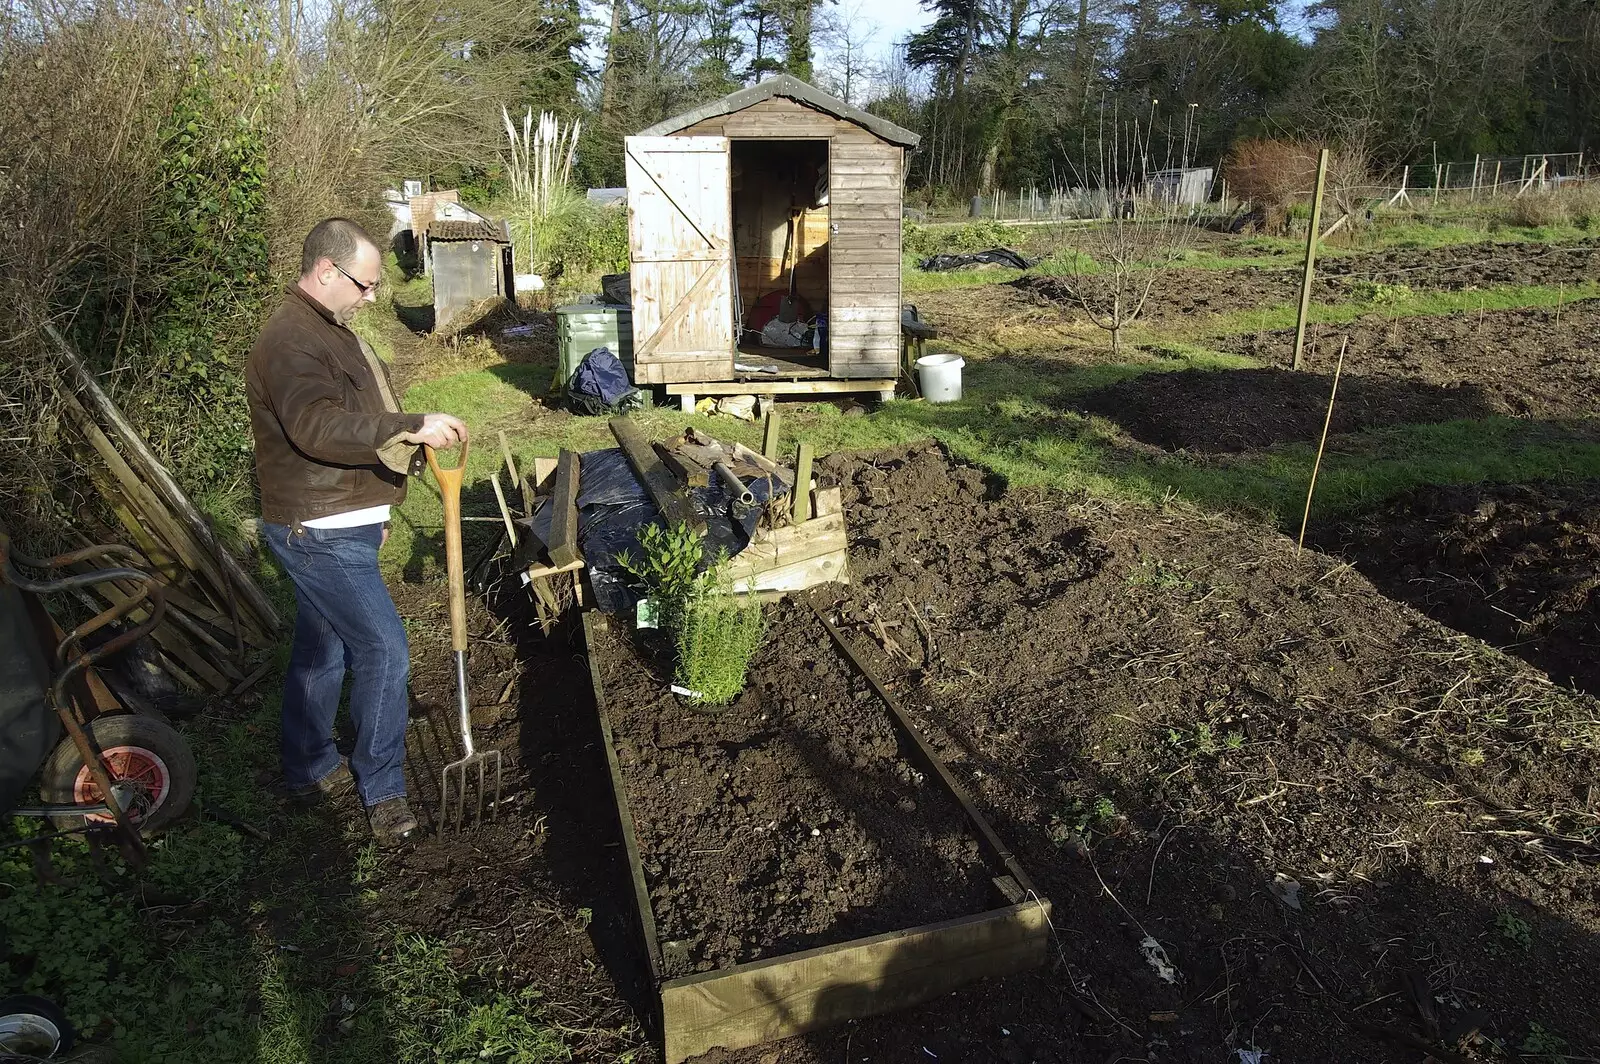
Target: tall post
<point>1313,234</point>
<point>1496,190</point>
<point>1477,162</point>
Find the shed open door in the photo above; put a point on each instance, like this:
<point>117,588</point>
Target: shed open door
<point>680,242</point>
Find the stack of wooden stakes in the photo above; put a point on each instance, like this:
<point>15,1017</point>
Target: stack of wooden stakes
<point>217,619</point>
<point>793,548</point>
<point>801,547</point>
<point>556,581</point>
<point>796,546</point>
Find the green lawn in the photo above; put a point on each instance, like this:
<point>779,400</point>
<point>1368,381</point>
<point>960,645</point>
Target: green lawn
<point>1014,421</point>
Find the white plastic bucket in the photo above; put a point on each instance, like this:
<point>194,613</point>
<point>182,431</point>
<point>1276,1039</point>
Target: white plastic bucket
<point>939,376</point>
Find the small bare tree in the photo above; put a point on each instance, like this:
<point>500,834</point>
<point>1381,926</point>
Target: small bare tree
<point>1142,227</point>
<point>846,35</point>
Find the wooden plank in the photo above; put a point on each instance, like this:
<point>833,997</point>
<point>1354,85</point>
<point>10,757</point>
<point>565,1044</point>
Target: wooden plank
<point>881,256</point>
<point>663,488</point>
<point>818,386</point>
<point>799,992</point>
<point>689,472</point>
<point>630,836</point>
<point>719,369</point>
<point>853,168</point>
<point>802,480</point>
<point>789,545</point>
<point>544,475</point>
<point>182,508</point>
<point>888,209</point>
<point>859,181</point>
<point>769,437</point>
<point>930,757</point>
<point>505,510</point>
<point>172,642</point>
<point>540,572</point>
<point>563,546</point>
<point>877,149</point>
<point>831,568</point>
<point>173,534</point>
<point>842,200</point>
<point>859,314</point>
<point>826,502</point>
<point>864,236</point>
<point>513,477</point>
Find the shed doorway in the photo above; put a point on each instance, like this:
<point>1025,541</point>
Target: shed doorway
<point>781,225</point>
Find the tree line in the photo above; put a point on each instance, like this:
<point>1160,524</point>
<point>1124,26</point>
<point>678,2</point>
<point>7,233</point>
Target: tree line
<point>1015,92</point>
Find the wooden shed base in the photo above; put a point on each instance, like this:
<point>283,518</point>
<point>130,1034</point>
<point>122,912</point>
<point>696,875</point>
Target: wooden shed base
<point>779,997</point>
<point>688,393</point>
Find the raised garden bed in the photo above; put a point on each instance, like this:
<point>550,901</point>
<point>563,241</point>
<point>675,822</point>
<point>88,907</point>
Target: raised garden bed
<point>800,858</point>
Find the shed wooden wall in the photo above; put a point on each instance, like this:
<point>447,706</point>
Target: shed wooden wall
<point>865,186</point>
<point>464,272</point>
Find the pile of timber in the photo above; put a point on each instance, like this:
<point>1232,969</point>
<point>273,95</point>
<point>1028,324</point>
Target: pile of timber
<point>217,620</point>
<point>799,541</point>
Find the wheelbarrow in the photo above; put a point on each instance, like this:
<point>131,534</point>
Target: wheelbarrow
<point>116,772</point>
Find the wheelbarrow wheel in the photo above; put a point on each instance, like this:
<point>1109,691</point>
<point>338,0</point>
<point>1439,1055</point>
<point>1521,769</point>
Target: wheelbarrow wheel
<point>33,1028</point>
<point>144,754</point>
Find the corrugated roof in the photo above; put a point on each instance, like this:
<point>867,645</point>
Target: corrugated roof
<point>797,90</point>
<point>445,230</point>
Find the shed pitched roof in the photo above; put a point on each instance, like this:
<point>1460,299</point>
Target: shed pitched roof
<point>797,90</point>
<point>449,230</point>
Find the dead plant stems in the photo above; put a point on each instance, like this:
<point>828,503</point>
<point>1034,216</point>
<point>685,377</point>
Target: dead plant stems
<point>1317,465</point>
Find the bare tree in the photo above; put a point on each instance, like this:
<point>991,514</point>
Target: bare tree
<point>846,34</point>
<point>1115,265</point>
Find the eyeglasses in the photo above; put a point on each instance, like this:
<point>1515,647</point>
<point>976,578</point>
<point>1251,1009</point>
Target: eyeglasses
<point>365,288</point>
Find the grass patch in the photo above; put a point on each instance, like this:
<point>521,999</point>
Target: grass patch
<point>1016,420</point>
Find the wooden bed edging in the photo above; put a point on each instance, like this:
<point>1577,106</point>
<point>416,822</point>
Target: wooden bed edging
<point>630,838</point>
<point>778,997</point>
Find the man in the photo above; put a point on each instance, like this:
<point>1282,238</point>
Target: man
<point>333,451</point>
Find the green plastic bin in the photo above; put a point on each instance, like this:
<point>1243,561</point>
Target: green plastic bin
<point>582,327</point>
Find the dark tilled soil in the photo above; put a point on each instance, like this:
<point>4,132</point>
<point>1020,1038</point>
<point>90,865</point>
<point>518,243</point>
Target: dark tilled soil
<point>1345,824</point>
<point>1515,565</point>
<point>539,896</point>
<point>1421,370</point>
<point>1311,796</point>
<point>1221,411</point>
<point>788,820</point>
<point>1343,278</point>
<point>1522,362</point>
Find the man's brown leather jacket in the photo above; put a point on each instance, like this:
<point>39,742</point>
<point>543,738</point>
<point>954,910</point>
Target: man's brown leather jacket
<point>326,426</point>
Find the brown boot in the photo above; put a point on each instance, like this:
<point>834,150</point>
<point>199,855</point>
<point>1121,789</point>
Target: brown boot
<point>392,821</point>
<point>335,784</point>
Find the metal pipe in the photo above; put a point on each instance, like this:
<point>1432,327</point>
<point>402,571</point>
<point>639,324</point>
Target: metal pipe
<point>742,495</point>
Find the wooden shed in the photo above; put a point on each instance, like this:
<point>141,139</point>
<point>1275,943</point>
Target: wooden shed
<point>469,262</point>
<point>715,197</point>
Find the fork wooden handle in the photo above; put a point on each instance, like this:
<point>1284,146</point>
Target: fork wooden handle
<point>450,491</point>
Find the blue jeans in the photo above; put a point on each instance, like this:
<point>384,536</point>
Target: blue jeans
<point>346,620</point>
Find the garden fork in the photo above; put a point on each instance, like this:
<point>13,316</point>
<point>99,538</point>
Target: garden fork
<point>453,781</point>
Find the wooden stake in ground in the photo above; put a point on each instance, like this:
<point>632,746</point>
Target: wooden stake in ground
<point>1317,465</point>
<point>1313,234</point>
<point>802,485</point>
<point>769,440</point>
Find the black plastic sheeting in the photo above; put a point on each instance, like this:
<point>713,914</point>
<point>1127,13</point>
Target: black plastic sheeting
<point>997,256</point>
<point>614,508</point>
